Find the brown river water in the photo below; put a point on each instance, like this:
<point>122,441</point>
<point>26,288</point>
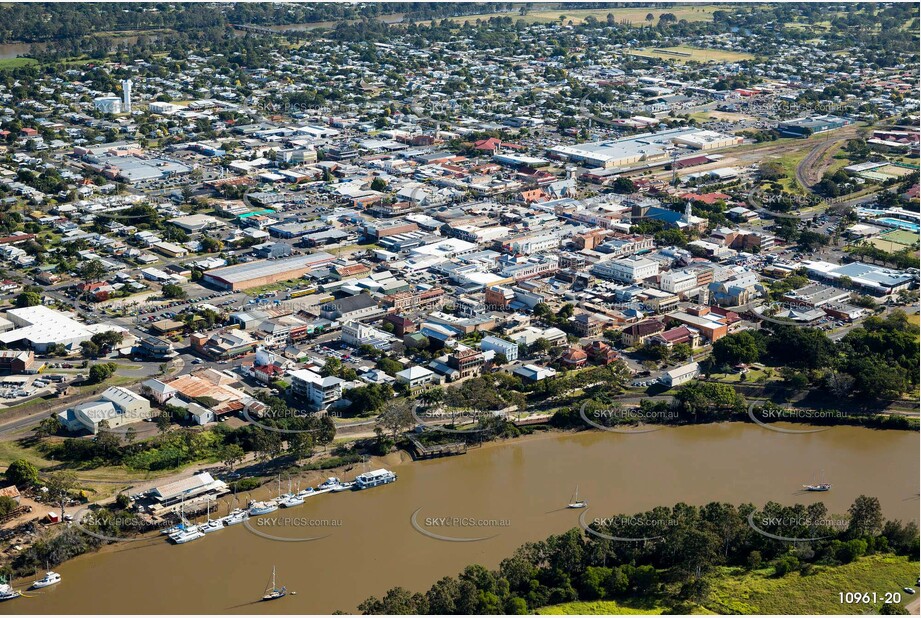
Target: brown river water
<point>515,491</point>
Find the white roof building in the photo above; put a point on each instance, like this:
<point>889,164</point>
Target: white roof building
<point>40,327</point>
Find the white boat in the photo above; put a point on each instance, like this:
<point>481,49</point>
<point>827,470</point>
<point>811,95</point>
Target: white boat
<point>331,483</point>
<point>190,534</point>
<point>212,526</point>
<point>289,500</point>
<point>262,508</point>
<point>272,591</point>
<point>343,487</point>
<point>6,591</point>
<point>374,478</point>
<point>818,486</point>
<point>306,493</point>
<point>575,502</point>
<point>173,530</point>
<point>237,516</point>
<point>50,579</point>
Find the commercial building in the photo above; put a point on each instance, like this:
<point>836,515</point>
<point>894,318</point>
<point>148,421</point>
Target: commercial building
<point>500,346</point>
<point>680,375</point>
<point>116,406</point>
<point>467,361</point>
<point>876,280</point>
<point>195,488</point>
<point>628,270</point>
<point>645,147</point>
<point>223,345</point>
<point>415,378</point>
<point>15,362</point>
<point>265,272</point>
<point>678,281</point>
<point>317,391</point>
<point>356,307</point>
<point>707,140</point>
<point>711,325</point>
<point>357,334</point>
<point>39,328</point>
<point>810,125</point>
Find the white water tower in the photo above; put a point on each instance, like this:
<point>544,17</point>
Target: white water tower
<point>126,95</point>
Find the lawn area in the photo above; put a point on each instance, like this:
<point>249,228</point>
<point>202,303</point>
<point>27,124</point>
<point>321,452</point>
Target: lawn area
<point>915,319</point>
<point>16,63</point>
<point>11,450</point>
<point>613,608</point>
<point>684,53</point>
<point>753,376</point>
<point>759,592</point>
<point>634,16</point>
<point>790,160</point>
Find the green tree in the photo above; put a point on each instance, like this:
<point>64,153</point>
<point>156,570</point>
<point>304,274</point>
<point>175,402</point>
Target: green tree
<point>22,473</point>
<point>171,290</point>
<point>28,299</point>
<point>396,417</point>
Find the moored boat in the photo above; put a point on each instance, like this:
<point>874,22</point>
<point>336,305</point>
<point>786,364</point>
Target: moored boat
<point>190,534</point>
<point>237,516</point>
<point>374,478</point>
<point>290,500</point>
<point>262,508</point>
<point>50,579</point>
<point>272,591</point>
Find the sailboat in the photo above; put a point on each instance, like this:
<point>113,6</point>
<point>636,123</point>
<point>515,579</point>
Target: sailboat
<point>818,486</point>
<point>291,499</point>
<point>272,591</point>
<point>575,502</point>
<point>213,525</point>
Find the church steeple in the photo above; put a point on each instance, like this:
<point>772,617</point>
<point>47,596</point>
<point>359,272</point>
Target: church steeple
<point>687,212</point>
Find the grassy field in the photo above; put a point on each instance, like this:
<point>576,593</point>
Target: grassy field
<point>612,608</point>
<point>915,319</point>
<point>634,16</point>
<point>15,63</point>
<point>760,593</point>
<point>684,53</point>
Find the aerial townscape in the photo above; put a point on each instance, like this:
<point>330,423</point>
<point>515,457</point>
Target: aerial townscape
<point>620,301</point>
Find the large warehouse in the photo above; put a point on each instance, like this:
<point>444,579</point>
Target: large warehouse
<point>264,272</point>
<point>642,147</point>
<point>40,327</point>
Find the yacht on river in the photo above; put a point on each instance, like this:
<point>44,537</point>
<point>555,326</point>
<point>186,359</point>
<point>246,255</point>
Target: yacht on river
<point>374,478</point>
<point>50,579</point>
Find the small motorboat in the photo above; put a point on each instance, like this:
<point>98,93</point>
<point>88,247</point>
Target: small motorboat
<point>818,487</point>
<point>331,483</point>
<point>51,578</point>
